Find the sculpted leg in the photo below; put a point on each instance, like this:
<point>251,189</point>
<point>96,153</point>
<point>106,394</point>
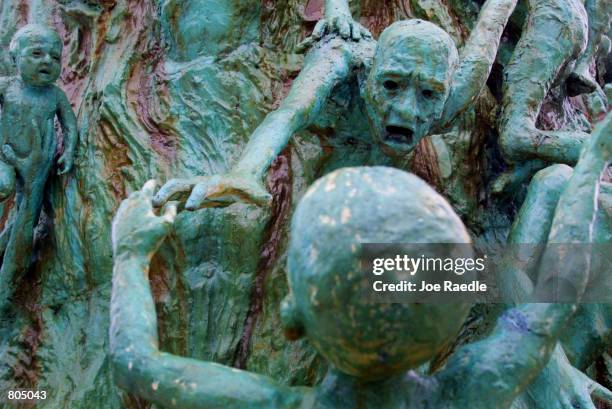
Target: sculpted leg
<point>580,80</point>
<point>17,255</point>
<point>590,333</point>
<point>553,37</point>
<point>531,227</point>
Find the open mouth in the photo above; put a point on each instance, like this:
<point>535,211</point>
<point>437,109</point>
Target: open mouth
<point>44,71</point>
<point>399,135</point>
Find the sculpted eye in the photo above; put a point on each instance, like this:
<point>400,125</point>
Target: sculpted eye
<point>427,93</point>
<point>390,85</point>
<point>37,54</point>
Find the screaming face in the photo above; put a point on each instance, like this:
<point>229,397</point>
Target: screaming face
<point>408,84</point>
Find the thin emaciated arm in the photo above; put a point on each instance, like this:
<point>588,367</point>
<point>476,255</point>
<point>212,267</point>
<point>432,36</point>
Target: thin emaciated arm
<point>166,379</point>
<point>325,66</point>
<point>68,122</point>
<point>477,57</point>
<point>139,366</point>
<point>524,338</point>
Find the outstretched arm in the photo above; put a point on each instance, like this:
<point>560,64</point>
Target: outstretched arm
<point>524,338</point>
<point>477,57</point>
<point>326,65</point>
<point>140,367</point>
<point>68,122</point>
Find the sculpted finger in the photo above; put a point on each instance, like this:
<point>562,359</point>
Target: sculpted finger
<point>600,392</point>
<point>305,45</point>
<point>355,32</point>
<point>148,189</point>
<point>199,193</point>
<point>319,30</point>
<point>169,212</point>
<point>583,402</point>
<point>344,28</point>
<point>170,190</point>
<point>365,33</point>
<point>258,196</point>
<point>9,155</point>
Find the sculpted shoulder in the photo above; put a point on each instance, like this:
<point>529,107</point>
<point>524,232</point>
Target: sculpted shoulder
<point>360,52</point>
<point>5,82</point>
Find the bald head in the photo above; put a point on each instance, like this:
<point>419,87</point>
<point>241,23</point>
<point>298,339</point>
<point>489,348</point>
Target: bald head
<point>339,212</point>
<point>409,83</point>
<point>419,37</point>
<point>33,32</point>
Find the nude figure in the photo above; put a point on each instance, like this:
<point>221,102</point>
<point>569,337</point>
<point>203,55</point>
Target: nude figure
<point>30,103</point>
<point>372,347</point>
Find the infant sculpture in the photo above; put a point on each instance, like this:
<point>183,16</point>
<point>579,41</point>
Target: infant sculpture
<point>371,347</point>
<point>30,102</point>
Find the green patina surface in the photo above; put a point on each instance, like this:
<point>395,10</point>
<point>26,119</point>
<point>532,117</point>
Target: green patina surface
<point>172,89</point>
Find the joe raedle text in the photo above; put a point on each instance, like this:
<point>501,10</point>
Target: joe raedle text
<point>425,287</point>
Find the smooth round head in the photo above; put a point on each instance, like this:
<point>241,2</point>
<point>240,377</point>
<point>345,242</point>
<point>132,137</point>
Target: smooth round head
<point>37,51</point>
<point>339,212</point>
<point>409,83</point>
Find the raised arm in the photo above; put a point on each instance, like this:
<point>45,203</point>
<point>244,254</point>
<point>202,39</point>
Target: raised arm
<point>524,338</point>
<point>140,367</point>
<point>477,57</point>
<point>68,122</point>
<point>325,66</point>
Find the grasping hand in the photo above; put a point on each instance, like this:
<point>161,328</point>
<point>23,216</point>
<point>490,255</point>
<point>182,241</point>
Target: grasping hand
<point>214,191</point>
<point>136,228</point>
<point>343,25</point>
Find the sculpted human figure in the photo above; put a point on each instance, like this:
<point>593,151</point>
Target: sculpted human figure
<point>580,80</point>
<point>413,84</point>
<point>30,102</point>
<point>371,347</point>
<point>554,37</point>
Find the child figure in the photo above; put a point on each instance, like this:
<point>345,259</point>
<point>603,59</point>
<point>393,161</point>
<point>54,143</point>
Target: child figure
<point>29,104</point>
<point>371,347</point>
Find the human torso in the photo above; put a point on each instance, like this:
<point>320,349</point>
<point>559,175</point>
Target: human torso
<point>27,115</point>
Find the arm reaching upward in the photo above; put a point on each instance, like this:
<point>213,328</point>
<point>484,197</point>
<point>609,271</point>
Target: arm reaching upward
<point>523,340</point>
<point>477,57</point>
<point>140,367</point>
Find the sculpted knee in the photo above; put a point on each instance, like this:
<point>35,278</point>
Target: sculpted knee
<point>515,140</point>
<point>553,178</point>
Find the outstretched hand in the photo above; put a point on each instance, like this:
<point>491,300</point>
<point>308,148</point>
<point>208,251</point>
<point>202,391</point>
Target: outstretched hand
<point>568,387</point>
<point>136,228</point>
<point>345,26</point>
<point>214,191</point>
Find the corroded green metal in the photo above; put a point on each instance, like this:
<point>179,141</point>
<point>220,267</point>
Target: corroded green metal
<point>30,103</point>
<point>173,89</point>
<point>369,345</point>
